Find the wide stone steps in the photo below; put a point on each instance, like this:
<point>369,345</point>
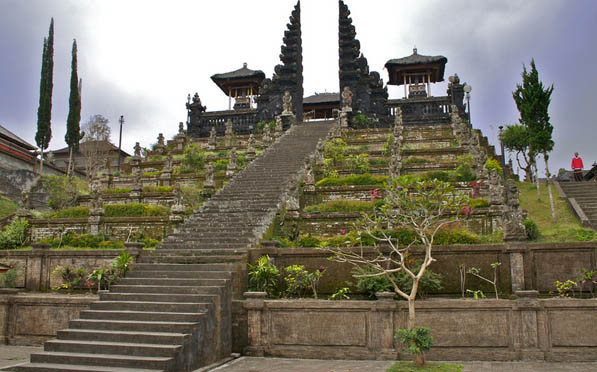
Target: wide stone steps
<point>105,360</point>
<point>105,347</point>
<point>54,367</point>
<point>167,307</point>
<point>141,315</point>
<point>585,194</point>
<point>165,290</point>
<point>164,338</point>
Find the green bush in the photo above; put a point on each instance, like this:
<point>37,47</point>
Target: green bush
<point>62,191</point>
<point>360,179</point>
<point>14,235</point>
<point>220,164</point>
<point>492,163</point>
<point>135,210</point>
<point>585,235</point>
<point>415,342</point>
<point>335,150</point>
<point>71,239</point>
<point>299,280</point>
<point>122,190</point>
<point>438,175</point>
<point>151,174</point>
<point>7,207</point>
<point>72,212</point>
<point>479,203</point>
<point>456,236</point>
<point>194,158</point>
<point>532,230</point>
<point>387,146</point>
<point>359,163</point>
<point>264,276</point>
<point>157,188</point>
<point>370,285</point>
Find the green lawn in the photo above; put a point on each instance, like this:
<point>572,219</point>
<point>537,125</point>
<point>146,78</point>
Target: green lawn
<point>429,367</point>
<point>567,226</point>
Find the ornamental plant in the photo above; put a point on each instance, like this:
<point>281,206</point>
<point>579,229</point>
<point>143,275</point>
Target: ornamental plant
<point>264,276</point>
<point>299,280</point>
<point>416,342</point>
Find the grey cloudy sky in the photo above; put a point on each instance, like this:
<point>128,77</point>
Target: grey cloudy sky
<point>140,59</point>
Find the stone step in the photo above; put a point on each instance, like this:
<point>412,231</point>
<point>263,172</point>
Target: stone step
<point>133,325</point>
<point>166,289</point>
<point>116,348</point>
<point>54,367</point>
<point>156,363</point>
<point>141,316</point>
<point>182,307</point>
<point>190,260</point>
<point>174,282</point>
<point>163,338</point>
<point>203,244</point>
<point>158,297</point>
<point>217,270</point>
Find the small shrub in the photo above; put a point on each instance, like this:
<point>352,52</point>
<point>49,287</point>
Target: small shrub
<point>157,188</point>
<point>532,230</point>
<point>437,175</point>
<point>72,212</point>
<point>14,235</point>
<point>194,158</point>
<point>565,289</point>
<point>151,174</point>
<point>299,280</point>
<point>62,191</point>
<point>360,179</point>
<point>456,236</point>
<point>492,163</point>
<point>344,205</point>
<point>359,164</point>
<point>135,210</point>
<point>585,235</point>
<point>479,203</point>
<point>341,294</point>
<point>71,239</point>
<point>71,278</point>
<point>361,121</point>
<point>415,342</point>
<point>264,276</point>
<point>220,164</point>
<point>335,150</point>
<point>387,146</point>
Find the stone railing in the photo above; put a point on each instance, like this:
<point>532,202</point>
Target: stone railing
<point>243,122</point>
<point>423,110</point>
<point>524,329</point>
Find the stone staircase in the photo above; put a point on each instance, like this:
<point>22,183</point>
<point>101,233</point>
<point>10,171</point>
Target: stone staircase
<point>172,312</point>
<point>582,196</point>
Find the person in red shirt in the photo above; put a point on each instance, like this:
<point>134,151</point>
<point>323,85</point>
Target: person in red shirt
<point>577,167</point>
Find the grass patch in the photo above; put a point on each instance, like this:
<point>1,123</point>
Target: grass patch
<point>122,190</point>
<point>429,367</point>
<point>567,227</point>
<point>359,179</point>
<point>157,188</point>
<point>345,206</point>
<point>7,207</point>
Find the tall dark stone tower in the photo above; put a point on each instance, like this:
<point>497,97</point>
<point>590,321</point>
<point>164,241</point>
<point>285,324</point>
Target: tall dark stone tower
<point>287,76</point>
<point>369,94</point>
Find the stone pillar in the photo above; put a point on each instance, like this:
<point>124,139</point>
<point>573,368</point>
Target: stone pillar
<point>382,314</point>
<point>134,248</point>
<point>36,278</point>
<point>160,148</point>
<point>516,252</point>
<point>95,218</point>
<point>136,165</point>
<point>254,305</point>
<point>166,178</point>
<point>531,325</point>
<point>228,134</point>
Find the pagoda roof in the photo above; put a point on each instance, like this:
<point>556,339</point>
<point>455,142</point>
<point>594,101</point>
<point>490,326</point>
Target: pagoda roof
<point>322,98</point>
<point>243,75</point>
<point>415,63</point>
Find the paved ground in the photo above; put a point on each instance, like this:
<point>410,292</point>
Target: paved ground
<point>12,355</point>
<point>246,364</point>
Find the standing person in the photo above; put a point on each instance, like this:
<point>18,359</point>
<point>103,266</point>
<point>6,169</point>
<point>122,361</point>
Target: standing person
<point>577,167</point>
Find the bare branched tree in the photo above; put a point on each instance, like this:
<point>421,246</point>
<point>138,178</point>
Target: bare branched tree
<point>96,146</point>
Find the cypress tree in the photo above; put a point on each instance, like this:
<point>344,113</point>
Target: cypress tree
<point>73,120</point>
<point>44,112</point>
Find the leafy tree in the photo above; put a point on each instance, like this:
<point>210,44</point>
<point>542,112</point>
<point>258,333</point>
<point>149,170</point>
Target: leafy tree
<point>46,84</point>
<point>73,135</point>
<point>96,144</point>
<point>532,100</point>
<point>424,207</point>
<point>515,139</point>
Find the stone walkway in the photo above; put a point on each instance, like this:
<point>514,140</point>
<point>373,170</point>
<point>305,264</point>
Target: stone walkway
<point>247,364</point>
<point>12,355</point>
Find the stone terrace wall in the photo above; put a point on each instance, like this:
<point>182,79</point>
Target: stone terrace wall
<point>525,266</point>
<point>32,319</point>
<point>35,267</point>
<point>525,329</point>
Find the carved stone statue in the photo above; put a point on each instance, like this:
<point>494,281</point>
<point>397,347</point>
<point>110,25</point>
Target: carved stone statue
<point>161,139</point>
<point>228,133</point>
<point>24,199</point>
<point>496,190</point>
<point>232,165</point>
<point>251,147</point>
<point>169,164</point>
<point>178,194</point>
<point>309,177</point>
<point>346,99</point>
<point>398,123</point>
<point>137,149</point>
<point>181,129</point>
<point>514,229</point>
<point>209,177</point>
<point>95,194</point>
<point>286,103</point>
<point>212,141</point>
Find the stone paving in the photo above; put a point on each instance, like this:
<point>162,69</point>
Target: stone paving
<point>248,364</point>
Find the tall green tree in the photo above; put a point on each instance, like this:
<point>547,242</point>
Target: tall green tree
<point>73,135</point>
<point>532,100</point>
<point>46,84</point>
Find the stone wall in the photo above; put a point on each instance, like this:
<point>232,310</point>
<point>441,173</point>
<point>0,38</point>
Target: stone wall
<point>31,319</point>
<point>524,329</point>
<point>35,267</point>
